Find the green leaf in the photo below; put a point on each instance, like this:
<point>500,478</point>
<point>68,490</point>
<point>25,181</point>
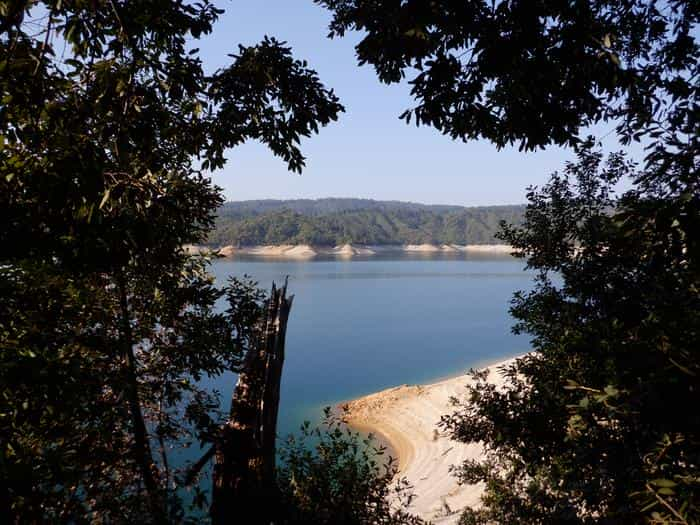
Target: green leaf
<point>663,482</point>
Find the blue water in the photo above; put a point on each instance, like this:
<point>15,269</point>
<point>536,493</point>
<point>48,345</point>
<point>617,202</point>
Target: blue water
<point>359,326</point>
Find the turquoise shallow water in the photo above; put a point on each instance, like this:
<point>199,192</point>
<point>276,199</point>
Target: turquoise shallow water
<point>358,326</point>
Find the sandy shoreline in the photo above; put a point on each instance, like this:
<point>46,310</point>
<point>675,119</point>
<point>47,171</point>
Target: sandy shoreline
<point>406,417</point>
<point>305,251</point>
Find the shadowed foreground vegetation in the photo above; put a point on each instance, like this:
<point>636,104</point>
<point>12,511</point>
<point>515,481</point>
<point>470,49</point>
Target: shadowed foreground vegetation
<point>107,325</point>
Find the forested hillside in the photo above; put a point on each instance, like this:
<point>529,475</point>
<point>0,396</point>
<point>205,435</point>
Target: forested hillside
<point>329,222</point>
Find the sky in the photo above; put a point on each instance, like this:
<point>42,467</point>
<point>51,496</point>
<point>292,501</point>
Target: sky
<point>368,152</point>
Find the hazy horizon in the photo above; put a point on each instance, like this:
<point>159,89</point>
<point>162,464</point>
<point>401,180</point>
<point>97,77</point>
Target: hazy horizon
<point>398,201</point>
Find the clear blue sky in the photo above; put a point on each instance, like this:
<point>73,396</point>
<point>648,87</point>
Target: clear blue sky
<point>368,152</point>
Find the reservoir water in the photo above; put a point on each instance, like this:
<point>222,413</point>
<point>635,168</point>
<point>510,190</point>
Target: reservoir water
<point>362,325</point>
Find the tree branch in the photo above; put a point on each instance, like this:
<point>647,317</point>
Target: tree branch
<point>199,465</point>
<point>143,454</point>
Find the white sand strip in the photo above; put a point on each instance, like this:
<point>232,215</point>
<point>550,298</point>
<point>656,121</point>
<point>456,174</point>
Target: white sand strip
<point>407,417</point>
<point>305,251</point>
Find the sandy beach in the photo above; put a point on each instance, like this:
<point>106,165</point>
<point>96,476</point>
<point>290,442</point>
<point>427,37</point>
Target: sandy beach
<point>406,417</point>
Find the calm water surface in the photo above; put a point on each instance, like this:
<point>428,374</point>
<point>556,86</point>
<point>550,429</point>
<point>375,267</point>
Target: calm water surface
<point>359,326</point>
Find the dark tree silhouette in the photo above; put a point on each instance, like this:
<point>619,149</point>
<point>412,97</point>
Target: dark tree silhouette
<point>109,128</point>
<point>597,424</point>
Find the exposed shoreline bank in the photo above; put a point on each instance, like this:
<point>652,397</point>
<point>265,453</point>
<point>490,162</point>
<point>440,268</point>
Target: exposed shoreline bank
<point>306,251</point>
<point>406,417</point>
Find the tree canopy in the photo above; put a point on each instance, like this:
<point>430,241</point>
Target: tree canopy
<point>110,125</point>
<point>596,424</point>
<point>531,73</point>
<point>356,221</point>
<point>332,475</point>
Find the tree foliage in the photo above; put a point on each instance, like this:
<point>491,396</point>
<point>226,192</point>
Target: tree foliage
<point>332,475</point>
<point>109,127</point>
<point>326,206</point>
<point>395,223</point>
<point>532,73</point>
<point>596,425</point>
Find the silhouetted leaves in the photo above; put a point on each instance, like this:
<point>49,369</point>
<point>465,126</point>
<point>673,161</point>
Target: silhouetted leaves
<point>599,412</point>
<point>332,475</point>
<point>597,424</point>
<point>108,123</point>
<point>530,73</point>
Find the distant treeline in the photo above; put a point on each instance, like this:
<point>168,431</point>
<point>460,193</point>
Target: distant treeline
<point>330,222</point>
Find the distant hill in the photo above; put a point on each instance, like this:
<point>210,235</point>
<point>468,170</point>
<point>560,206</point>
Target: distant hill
<point>325,206</point>
<point>331,222</point>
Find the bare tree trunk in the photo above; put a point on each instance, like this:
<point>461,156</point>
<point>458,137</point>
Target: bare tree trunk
<point>244,460</point>
<point>143,455</point>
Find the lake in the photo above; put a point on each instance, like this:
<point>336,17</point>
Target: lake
<point>362,325</point>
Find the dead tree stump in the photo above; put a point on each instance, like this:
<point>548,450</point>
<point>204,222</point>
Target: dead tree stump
<point>244,459</point>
